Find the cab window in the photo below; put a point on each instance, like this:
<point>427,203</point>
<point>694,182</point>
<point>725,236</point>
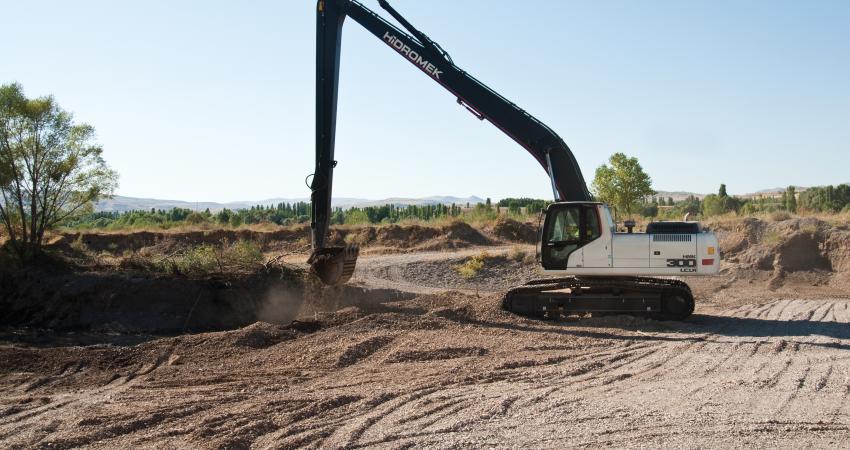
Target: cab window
<point>592,232</point>
<point>568,227</point>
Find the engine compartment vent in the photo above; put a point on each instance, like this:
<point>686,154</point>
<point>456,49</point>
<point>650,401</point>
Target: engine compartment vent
<point>672,228</point>
<point>671,238</point>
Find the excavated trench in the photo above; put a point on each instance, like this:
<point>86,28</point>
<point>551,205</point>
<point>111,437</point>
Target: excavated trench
<point>126,303</point>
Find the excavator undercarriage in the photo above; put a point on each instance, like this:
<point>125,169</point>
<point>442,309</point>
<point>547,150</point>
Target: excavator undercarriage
<point>555,297</point>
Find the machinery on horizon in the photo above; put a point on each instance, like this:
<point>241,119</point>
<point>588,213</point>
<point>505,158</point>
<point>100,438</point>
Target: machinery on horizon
<point>599,268</point>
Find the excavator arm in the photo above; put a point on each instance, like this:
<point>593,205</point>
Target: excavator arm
<point>336,264</point>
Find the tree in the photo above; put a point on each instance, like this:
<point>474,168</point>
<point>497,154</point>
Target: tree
<point>650,210</point>
<point>235,220</point>
<point>223,216</point>
<point>712,205</point>
<point>720,203</point>
<point>622,183</point>
<point>791,199</point>
<point>50,168</point>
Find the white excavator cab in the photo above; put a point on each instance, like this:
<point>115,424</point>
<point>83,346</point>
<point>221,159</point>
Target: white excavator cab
<point>581,238</point>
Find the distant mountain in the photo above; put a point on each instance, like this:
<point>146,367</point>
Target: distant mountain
<point>678,195</point>
<point>120,203</point>
<point>398,201</point>
<point>778,190</point>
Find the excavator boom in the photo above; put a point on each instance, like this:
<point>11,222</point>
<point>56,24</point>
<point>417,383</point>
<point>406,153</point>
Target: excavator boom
<point>336,264</point>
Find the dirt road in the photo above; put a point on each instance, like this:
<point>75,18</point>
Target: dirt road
<point>433,272</point>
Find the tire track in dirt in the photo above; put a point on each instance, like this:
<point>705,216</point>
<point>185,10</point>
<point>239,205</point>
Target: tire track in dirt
<point>383,271</point>
<point>791,380</point>
<point>52,411</point>
<point>750,372</point>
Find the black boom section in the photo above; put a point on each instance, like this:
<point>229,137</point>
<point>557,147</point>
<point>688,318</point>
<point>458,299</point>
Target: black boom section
<point>328,39</point>
<point>544,144</point>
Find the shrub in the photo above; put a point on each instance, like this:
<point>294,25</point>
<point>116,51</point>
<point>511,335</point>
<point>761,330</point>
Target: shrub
<point>472,266</point>
<point>197,260</point>
<point>243,255</point>
<point>205,259</point>
<point>779,216</point>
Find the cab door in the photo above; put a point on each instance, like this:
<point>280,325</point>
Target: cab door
<point>567,230</point>
<point>597,250</point>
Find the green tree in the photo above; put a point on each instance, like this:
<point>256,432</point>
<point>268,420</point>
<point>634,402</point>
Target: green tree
<point>712,205</point>
<point>235,220</point>
<point>650,210</point>
<point>223,216</point>
<point>623,183</point>
<point>356,216</point>
<point>50,168</point>
<point>791,199</point>
<point>196,218</point>
<point>720,203</point>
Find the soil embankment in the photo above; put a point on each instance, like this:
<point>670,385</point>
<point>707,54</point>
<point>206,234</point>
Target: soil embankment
<point>379,239</point>
<point>134,303</point>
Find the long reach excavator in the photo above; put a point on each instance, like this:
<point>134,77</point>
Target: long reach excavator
<point>594,267</point>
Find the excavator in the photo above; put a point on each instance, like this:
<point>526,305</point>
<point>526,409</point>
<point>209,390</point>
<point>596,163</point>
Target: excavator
<point>594,267</point>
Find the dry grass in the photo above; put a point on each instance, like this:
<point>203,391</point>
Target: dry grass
<point>771,237</point>
<point>517,253</point>
<point>779,216</point>
<point>187,228</point>
<point>200,260</point>
<point>473,265</point>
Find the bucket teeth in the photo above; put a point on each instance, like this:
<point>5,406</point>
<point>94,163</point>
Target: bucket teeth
<point>349,262</point>
<point>334,265</point>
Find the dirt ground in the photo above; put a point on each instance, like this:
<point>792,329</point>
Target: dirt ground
<point>763,362</point>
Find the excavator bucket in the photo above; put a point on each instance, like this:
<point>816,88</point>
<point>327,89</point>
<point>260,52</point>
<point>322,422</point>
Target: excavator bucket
<point>334,265</point>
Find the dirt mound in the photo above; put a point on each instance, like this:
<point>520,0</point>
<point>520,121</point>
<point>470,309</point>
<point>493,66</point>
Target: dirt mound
<point>784,247</point>
<point>413,237</point>
<point>511,230</point>
<point>262,334</point>
<point>801,251</point>
<point>391,235</point>
<point>837,247</point>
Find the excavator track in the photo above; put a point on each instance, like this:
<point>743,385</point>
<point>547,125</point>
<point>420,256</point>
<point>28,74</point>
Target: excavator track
<point>551,298</point>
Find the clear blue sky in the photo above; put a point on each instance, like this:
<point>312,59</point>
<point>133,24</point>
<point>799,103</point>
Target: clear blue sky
<point>214,100</point>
